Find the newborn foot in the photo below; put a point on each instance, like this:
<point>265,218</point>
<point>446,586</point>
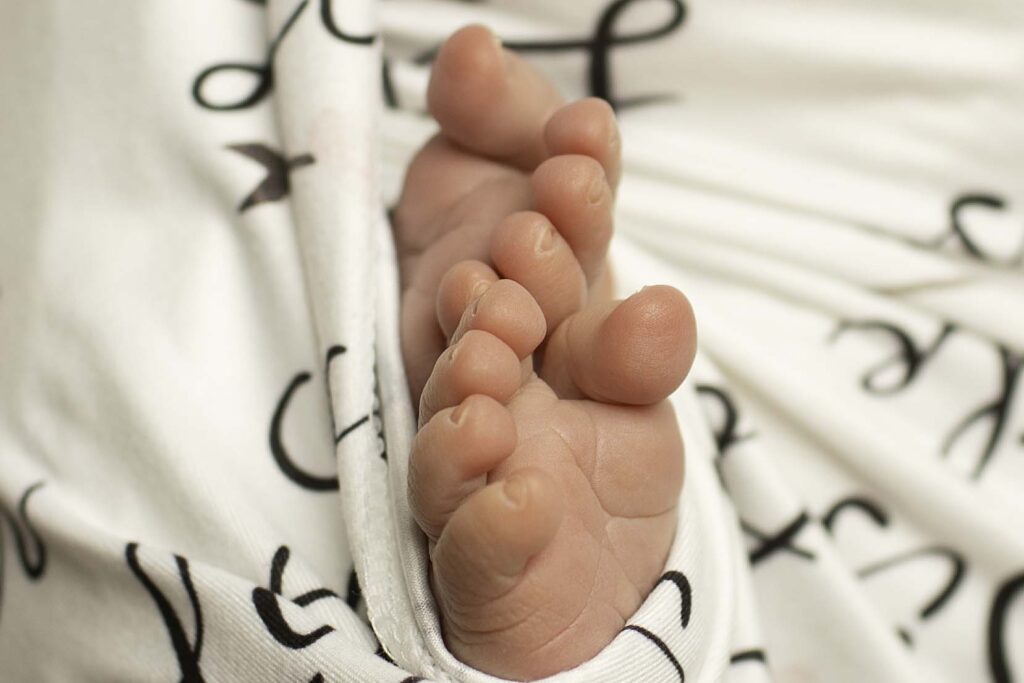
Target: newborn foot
<point>507,144</point>
<point>548,465</point>
<point>550,501</point>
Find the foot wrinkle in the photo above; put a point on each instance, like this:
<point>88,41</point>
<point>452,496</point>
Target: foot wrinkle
<point>593,461</point>
<point>632,518</point>
<point>499,173</point>
<point>476,611</point>
<point>472,606</point>
<point>625,578</point>
<point>567,631</point>
<point>557,431</point>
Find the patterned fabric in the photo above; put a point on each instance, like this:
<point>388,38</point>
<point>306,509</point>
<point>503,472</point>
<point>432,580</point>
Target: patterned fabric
<point>204,425</point>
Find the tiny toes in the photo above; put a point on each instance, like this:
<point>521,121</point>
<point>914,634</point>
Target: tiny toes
<point>488,541</point>
<point>527,248</point>
<point>489,100</point>
<point>573,192</point>
<point>506,310</point>
<point>479,363</point>
<point>461,285</point>
<point>587,127</point>
<point>451,456</point>
<point>636,351</point>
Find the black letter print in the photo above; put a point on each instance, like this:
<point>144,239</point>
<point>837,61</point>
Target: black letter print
<point>34,570</point>
<point>280,453</point>
<point>327,18</point>
<point>877,514</point>
<point>685,594</point>
<point>354,593</point>
<point>277,448</point>
<point>867,506</point>
<point>752,655</point>
<point>660,644</point>
<point>997,657</point>
<point>269,609</point>
<point>957,571</point>
<point>599,48</point>
<point>381,439</point>
<point>996,411</point>
<point>959,231</point>
<point>263,73</point>
<point>679,580</point>
<point>909,357</point>
<point>275,184</point>
<point>188,654</point>
<point>782,540</point>
<point>333,353</point>
<point>724,433</point>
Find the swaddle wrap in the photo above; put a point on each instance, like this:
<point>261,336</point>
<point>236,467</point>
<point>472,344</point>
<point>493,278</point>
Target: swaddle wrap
<point>204,426</point>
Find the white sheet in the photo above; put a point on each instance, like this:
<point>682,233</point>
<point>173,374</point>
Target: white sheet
<point>837,188</point>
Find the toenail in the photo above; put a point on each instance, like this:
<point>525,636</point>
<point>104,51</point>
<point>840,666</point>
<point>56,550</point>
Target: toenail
<point>476,294</point>
<point>596,191</point>
<point>496,40</point>
<point>458,415</point>
<point>479,289</point>
<point>514,489</point>
<point>475,306</point>
<point>613,134</point>
<point>614,142</point>
<point>545,239</point>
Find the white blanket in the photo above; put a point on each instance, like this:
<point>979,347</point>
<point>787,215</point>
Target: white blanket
<point>204,424</point>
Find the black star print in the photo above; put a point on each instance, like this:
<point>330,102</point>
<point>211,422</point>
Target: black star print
<point>275,185</point>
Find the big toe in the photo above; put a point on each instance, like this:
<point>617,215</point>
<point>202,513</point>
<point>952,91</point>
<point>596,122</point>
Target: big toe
<point>634,352</point>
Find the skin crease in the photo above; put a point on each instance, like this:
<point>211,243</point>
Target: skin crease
<point>547,469</point>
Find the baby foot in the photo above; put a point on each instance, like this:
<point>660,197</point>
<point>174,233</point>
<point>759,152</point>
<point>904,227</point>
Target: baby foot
<point>550,503</point>
<point>507,144</point>
<point>548,466</point>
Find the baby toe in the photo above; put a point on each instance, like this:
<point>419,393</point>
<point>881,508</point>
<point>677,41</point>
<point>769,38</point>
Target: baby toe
<point>488,541</point>
<point>527,248</point>
<point>452,455</point>
<point>489,100</point>
<point>636,351</point>
<point>478,363</point>
<point>506,310</point>
<point>573,192</point>
<point>587,127</point>
<point>461,285</point>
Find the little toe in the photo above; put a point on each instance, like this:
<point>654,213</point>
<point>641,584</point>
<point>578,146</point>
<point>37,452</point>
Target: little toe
<point>506,310</point>
<point>479,363</point>
<point>452,455</point>
<point>587,127</point>
<point>461,285</point>
<point>573,192</point>
<point>488,542</point>
<point>636,351</point>
<point>489,100</point>
<point>527,248</point>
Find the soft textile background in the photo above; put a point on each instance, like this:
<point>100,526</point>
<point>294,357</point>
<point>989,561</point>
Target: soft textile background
<point>203,422</point>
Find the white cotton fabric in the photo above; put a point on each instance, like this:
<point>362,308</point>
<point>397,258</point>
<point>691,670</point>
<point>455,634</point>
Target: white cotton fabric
<point>204,425</point>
